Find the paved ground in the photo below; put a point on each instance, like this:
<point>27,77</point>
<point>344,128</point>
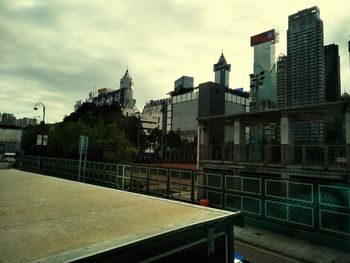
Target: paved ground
<point>269,242</point>
<point>257,254</point>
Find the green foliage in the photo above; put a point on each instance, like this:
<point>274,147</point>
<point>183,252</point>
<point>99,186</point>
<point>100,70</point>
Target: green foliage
<point>173,140</point>
<point>112,136</point>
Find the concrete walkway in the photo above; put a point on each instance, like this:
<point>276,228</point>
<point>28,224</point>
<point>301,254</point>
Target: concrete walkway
<point>303,250</point>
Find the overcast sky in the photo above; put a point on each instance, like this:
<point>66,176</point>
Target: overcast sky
<point>57,51</point>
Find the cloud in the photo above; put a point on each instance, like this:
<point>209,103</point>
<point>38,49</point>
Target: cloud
<point>57,51</point>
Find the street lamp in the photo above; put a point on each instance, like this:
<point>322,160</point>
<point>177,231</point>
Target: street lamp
<point>255,82</point>
<point>43,123</point>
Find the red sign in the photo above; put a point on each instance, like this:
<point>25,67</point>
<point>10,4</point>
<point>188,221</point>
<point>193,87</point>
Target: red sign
<point>263,37</point>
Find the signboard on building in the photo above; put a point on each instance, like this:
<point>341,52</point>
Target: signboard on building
<point>263,37</point>
<point>38,139</point>
<point>102,90</point>
<point>157,102</point>
<point>116,96</point>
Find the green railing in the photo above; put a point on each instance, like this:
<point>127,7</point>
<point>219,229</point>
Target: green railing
<point>308,205</point>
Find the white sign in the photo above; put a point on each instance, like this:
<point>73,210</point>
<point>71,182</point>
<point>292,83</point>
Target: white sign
<point>38,139</point>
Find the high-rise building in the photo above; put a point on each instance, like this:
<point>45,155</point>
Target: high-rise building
<point>264,60</point>
<point>24,122</point>
<point>8,119</point>
<point>306,69</point>
<point>282,81</point>
<point>222,72</point>
<point>305,53</point>
<point>332,71</point>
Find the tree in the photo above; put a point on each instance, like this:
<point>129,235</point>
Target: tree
<point>173,140</point>
<point>112,136</point>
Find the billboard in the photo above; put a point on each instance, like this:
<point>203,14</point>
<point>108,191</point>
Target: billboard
<point>263,37</point>
<point>116,96</point>
<point>102,90</point>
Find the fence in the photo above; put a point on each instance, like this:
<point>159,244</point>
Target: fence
<point>313,206</point>
<point>323,156</point>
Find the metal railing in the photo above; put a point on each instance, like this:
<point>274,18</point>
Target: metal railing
<point>322,156</point>
<point>309,205</point>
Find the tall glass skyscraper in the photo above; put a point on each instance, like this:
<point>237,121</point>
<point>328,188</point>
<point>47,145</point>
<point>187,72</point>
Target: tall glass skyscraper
<point>264,60</point>
<point>222,72</point>
<point>306,69</point>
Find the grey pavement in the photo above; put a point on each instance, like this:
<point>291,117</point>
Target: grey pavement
<point>303,250</point>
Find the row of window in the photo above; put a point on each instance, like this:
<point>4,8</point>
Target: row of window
<point>194,96</point>
<point>186,97</point>
<point>236,99</point>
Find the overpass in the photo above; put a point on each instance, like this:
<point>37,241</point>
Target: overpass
<point>237,152</point>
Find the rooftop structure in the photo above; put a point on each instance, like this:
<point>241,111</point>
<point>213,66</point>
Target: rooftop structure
<point>69,221</point>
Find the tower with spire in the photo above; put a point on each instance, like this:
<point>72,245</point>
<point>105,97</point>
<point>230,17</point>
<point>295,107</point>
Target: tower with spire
<point>126,88</point>
<point>222,71</point>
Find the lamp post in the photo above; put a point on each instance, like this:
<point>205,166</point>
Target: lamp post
<point>255,82</point>
<point>43,122</point>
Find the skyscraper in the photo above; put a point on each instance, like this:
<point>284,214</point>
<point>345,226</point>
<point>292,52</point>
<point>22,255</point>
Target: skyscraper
<point>222,72</point>
<point>282,81</point>
<point>264,60</point>
<point>305,53</point>
<point>332,71</point>
<point>306,69</point>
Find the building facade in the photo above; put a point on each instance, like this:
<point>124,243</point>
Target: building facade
<point>153,114</point>
<point>306,68</point>
<point>208,99</point>
<point>222,72</point>
<point>8,119</point>
<point>10,140</point>
<point>122,96</point>
<point>282,82</point>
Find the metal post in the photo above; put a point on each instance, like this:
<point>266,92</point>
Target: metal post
<point>138,139</point>
<point>303,155</point>
<point>192,186</point>
<point>42,129</point>
<point>80,157</point>
<point>86,147</point>
<point>229,246</point>
<point>325,156</point>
